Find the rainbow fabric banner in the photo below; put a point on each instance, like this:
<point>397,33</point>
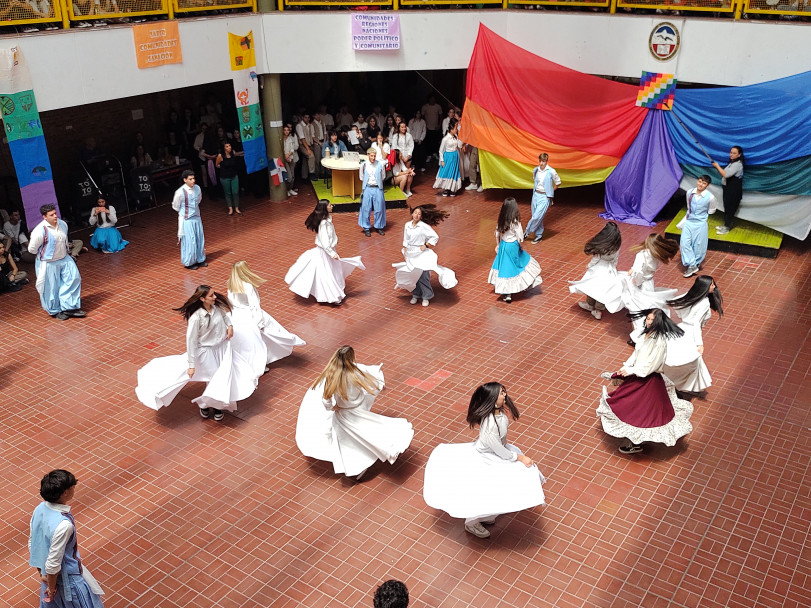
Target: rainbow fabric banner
<point>519,105</point>
<point>246,94</point>
<point>24,134</point>
<point>656,91</point>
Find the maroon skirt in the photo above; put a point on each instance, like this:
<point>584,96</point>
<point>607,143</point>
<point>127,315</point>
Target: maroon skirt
<point>642,402</point>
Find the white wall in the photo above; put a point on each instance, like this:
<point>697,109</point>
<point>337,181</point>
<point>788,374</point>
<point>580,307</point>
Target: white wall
<point>71,68</point>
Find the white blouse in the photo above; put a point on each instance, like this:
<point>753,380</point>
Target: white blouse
<point>326,237</point>
<point>403,143</point>
<point>415,237</point>
<point>493,437</point>
<point>648,356</point>
<point>206,329</point>
<point>642,270</point>
<point>449,144</point>
<point>515,233</point>
<point>247,300</point>
<point>694,318</point>
<point>109,219</point>
<point>355,398</point>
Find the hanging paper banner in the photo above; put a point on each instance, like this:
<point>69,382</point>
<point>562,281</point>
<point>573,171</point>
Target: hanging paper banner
<point>157,43</point>
<point>375,32</point>
<point>656,91</point>
<point>24,134</point>
<point>246,95</point>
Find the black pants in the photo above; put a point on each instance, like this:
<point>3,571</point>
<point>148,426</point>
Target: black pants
<point>733,192</point>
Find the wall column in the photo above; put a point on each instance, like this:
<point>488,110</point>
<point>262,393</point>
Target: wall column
<point>270,85</point>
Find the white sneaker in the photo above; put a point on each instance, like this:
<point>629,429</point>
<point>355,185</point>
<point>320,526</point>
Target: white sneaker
<point>596,314</point>
<point>409,194</point>
<point>425,302</point>
<point>585,305</point>
<point>477,530</point>
<point>479,189</point>
<point>471,187</point>
<point>691,270</point>
<point>721,230</point>
<point>414,299</point>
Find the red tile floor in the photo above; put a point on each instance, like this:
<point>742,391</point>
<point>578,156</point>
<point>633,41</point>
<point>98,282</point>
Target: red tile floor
<point>177,511</point>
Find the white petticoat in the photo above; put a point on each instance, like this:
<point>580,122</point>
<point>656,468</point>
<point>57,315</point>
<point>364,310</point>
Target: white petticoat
<point>465,483</point>
<point>602,283</point>
<point>230,378</point>
<point>352,439</point>
<point>407,273</point>
<point>317,274</point>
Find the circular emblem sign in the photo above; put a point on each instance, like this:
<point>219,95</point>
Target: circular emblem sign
<point>664,41</point>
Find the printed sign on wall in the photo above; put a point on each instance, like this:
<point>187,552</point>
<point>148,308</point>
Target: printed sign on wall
<point>375,32</point>
<point>157,43</point>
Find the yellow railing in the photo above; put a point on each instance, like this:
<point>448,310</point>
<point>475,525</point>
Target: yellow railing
<point>74,13</point>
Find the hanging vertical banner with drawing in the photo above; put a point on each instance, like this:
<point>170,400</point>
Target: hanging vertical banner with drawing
<point>23,130</point>
<point>246,93</point>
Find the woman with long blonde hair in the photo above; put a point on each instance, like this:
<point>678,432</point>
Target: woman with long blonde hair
<point>350,436</point>
<point>258,337</point>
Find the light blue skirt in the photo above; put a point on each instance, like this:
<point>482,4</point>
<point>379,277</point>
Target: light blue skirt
<point>449,176</point>
<point>514,270</point>
<point>108,239</point>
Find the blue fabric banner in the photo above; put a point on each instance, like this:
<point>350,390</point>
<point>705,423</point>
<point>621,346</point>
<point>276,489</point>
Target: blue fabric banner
<point>771,121</point>
<point>646,177</point>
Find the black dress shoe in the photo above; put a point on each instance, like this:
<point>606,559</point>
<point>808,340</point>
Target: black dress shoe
<point>192,267</point>
<point>381,232</point>
<point>367,232</point>
<point>76,312</point>
<point>202,264</point>
<point>631,343</point>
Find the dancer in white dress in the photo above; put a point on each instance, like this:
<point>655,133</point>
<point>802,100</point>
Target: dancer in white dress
<point>258,337</point>
<point>319,272</point>
<point>645,407</point>
<point>489,477</point>
<point>601,284</point>
<point>209,358</point>
<point>335,423</point>
<point>639,292</point>
<point>419,238</point>
<point>684,363</point>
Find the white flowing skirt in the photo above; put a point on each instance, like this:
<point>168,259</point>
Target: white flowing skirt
<point>407,273</point>
<point>602,283</point>
<point>645,296</point>
<point>317,274</point>
<point>465,483</point>
<point>261,343</point>
<point>351,439</point>
<point>229,377</point>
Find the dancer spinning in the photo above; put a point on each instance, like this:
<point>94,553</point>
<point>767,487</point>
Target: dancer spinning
<point>644,407</point>
<point>419,238</point>
<point>347,433</point>
<point>684,364</point>
<point>639,292</point>
<point>513,270</point>
<point>482,480</point>
<point>209,358</point>
<point>601,284</point>
<point>258,337</point>
<point>449,176</point>
<point>319,271</point>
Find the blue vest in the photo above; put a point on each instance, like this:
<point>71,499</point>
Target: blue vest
<point>43,525</point>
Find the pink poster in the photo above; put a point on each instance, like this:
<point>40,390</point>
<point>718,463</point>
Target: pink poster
<point>375,32</point>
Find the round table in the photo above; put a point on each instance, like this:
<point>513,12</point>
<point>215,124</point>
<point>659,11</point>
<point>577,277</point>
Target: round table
<point>345,176</point>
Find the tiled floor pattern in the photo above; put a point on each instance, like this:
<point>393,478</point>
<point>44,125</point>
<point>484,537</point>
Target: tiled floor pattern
<point>176,511</point>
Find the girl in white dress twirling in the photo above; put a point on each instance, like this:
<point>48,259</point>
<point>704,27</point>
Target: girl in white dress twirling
<point>482,480</point>
<point>639,292</point>
<point>209,358</point>
<point>257,335</point>
<point>335,423</point>
<point>419,238</point>
<point>684,363</point>
<point>319,272</point>
<point>601,284</point>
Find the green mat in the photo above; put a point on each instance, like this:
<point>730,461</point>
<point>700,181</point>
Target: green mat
<point>746,237</point>
<point>390,192</point>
